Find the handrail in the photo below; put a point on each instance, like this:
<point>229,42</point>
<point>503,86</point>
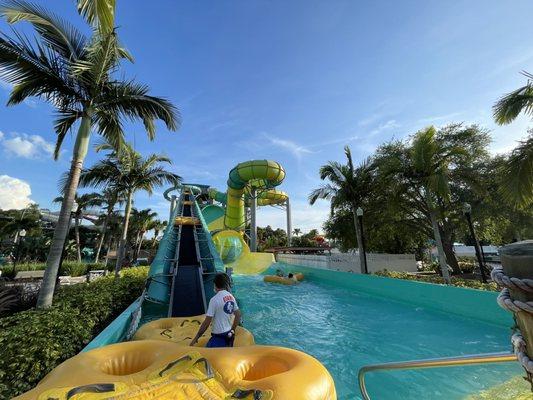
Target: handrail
<point>433,363</point>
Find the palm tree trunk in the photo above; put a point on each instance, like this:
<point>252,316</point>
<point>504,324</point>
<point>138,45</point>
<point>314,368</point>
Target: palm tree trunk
<point>124,237</point>
<point>102,235</point>
<point>359,238</point>
<point>438,240</point>
<point>139,246</point>
<point>46,293</point>
<point>77,234</point>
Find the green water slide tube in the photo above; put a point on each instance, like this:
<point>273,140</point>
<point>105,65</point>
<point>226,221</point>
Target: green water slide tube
<point>257,174</point>
<point>264,197</point>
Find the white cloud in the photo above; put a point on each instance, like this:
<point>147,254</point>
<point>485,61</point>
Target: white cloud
<point>14,193</point>
<point>294,148</point>
<point>27,146</point>
<point>370,120</point>
<point>390,124</point>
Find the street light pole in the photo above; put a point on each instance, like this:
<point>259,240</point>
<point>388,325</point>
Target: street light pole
<point>468,214</point>
<point>359,212</point>
<point>21,235</point>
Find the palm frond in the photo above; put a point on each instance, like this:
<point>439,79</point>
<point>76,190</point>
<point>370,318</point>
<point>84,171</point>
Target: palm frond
<point>55,32</point>
<point>512,104</point>
<point>131,99</point>
<point>326,191</point>
<point>99,13</point>
<point>35,72</point>
<point>62,125</point>
<point>517,186</point>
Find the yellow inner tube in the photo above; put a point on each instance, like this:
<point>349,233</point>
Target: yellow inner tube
<point>150,369</point>
<point>281,279</point>
<point>187,221</point>
<point>182,330</point>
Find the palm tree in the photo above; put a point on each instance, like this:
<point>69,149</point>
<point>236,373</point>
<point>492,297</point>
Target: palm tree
<point>296,231</point>
<point>518,183</point>
<point>128,172</point>
<point>158,227</point>
<point>77,76</point>
<point>348,186</point>
<point>429,161</point>
<point>110,198</point>
<point>143,221</point>
<point>84,202</point>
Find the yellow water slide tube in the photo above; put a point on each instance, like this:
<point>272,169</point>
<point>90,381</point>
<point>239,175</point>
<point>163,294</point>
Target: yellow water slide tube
<point>153,369</point>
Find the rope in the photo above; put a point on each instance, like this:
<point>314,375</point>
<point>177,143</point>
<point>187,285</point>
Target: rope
<point>519,345</point>
<point>516,306</point>
<point>499,277</point>
<point>505,302</point>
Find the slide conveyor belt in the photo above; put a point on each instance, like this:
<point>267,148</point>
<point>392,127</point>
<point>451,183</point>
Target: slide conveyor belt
<point>187,297</point>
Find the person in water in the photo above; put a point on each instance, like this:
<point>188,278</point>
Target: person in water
<point>292,276</point>
<point>222,307</point>
<point>280,273</point>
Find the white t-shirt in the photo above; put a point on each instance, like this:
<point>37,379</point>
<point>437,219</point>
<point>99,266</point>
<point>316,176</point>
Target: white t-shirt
<point>221,307</point>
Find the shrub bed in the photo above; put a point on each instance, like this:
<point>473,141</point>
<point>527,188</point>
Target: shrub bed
<point>467,283</point>
<point>33,342</point>
<point>72,268</point>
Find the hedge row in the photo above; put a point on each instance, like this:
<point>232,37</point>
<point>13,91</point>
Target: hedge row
<point>467,283</point>
<point>71,268</point>
<point>33,342</point>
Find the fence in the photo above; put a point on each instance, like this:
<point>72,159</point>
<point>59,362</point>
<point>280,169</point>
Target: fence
<point>350,262</point>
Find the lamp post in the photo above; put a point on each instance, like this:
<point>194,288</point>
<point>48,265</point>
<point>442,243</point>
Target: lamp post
<point>467,210</point>
<point>362,246</point>
<point>73,211</point>
<point>21,235</point>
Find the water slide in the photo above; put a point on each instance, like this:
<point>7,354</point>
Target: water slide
<point>247,180</point>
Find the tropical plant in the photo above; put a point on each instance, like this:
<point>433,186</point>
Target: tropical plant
<point>142,221</point>
<point>83,202</point>
<point>78,76</point>
<point>296,231</point>
<point>158,227</point>
<point>429,165</point>
<point>13,221</point>
<point>110,197</point>
<point>348,186</point>
<point>517,184</point>
<point>127,172</point>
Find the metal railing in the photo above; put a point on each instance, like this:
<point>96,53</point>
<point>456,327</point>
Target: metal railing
<point>433,363</point>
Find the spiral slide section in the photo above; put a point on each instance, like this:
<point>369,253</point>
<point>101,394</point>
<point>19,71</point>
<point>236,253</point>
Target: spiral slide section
<point>260,175</point>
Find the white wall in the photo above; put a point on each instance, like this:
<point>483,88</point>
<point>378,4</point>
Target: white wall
<point>350,262</point>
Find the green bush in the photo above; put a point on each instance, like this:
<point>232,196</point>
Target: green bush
<point>72,268</point>
<point>33,342</point>
<point>467,283</point>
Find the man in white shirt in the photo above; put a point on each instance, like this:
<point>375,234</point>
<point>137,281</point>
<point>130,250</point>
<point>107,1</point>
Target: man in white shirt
<point>222,309</point>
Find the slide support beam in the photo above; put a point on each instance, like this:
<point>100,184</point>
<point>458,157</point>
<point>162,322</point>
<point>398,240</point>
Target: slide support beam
<point>253,221</point>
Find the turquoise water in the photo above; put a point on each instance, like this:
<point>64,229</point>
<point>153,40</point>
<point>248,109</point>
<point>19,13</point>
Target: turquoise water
<point>346,330</point>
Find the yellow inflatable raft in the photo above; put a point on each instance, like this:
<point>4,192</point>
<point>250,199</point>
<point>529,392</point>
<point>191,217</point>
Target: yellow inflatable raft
<point>182,330</point>
<point>283,279</point>
<point>187,221</point>
<point>151,369</point>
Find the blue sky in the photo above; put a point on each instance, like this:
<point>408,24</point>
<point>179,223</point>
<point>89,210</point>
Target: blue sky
<point>291,81</point>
